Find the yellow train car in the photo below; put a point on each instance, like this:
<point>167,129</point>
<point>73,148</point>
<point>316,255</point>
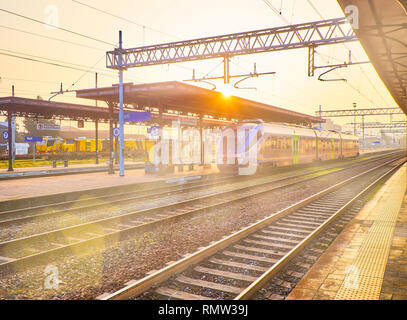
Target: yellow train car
<point>82,146</point>
<point>87,145</point>
<point>50,145</point>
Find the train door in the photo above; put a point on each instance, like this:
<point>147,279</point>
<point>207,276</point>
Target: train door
<point>296,148</point>
<point>332,147</point>
<point>88,145</point>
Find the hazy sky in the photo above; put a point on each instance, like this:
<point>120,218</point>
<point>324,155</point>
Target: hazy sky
<point>167,21</point>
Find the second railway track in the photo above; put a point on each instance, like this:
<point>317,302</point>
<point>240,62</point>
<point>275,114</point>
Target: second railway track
<point>237,266</point>
<point>18,253</point>
<point>23,215</point>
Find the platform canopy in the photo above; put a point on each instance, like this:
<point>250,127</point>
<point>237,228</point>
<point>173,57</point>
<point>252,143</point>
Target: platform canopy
<point>184,99</point>
<point>35,108</point>
<point>383,33</point>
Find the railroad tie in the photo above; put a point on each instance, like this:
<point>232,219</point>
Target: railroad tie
<point>209,284</point>
<point>165,291</point>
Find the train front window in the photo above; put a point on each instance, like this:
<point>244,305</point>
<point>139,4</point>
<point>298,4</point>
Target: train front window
<point>252,136</point>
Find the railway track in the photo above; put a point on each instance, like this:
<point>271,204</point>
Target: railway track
<point>87,237</point>
<point>83,204</point>
<point>240,264</point>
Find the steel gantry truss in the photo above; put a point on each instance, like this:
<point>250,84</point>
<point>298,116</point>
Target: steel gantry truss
<point>359,112</point>
<point>398,131</point>
<point>273,39</point>
<point>379,125</point>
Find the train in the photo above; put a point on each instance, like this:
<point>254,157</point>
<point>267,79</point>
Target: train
<point>261,145</point>
<point>82,147</point>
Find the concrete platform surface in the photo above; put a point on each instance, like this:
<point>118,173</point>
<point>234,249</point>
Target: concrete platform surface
<point>41,186</point>
<point>368,260</point>
<point>29,172</point>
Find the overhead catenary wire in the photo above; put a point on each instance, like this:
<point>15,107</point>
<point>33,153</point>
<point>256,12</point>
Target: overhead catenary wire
<point>56,27</point>
<point>52,38</point>
<point>74,43</point>
<point>267,2</point>
<point>140,25</point>
<point>27,80</point>
<point>125,19</point>
<point>44,58</point>
<point>53,64</point>
<point>344,44</point>
<point>277,12</point>
<point>86,72</point>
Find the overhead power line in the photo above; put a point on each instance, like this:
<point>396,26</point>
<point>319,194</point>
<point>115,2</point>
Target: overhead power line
<point>56,64</point>
<point>27,80</point>
<point>47,59</point>
<point>315,9</point>
<point>360,68</point>
<point>124,19</point>
<point>277,12</point>
<point>51,38</point>
<point>56,27</point>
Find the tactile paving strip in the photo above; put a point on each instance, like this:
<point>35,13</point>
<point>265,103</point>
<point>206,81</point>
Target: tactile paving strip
<point>365,277</point>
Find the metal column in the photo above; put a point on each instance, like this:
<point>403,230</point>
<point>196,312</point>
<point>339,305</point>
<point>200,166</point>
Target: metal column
<point>202,139</point>
<point>13,131</point>
<point>311,61</point>
<point>226,69</point>
<point>116,147</point>
<point>354,120</point>
<point>121,114</point>
<point>10,142</point>
<point>111,170</point>
<point>97,140</point>
<point>363,131</point>
<point>96,124</point>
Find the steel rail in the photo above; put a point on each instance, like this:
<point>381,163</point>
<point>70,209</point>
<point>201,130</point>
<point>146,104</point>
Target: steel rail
<point>97,226</point>
<point>165,190</point>
<point>136,288</point>
<point>283,262</point>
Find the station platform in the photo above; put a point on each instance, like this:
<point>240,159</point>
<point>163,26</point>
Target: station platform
<point>29,172</point>
<point>368,260</point>
<point>43,186</point>
<point>375,150</point>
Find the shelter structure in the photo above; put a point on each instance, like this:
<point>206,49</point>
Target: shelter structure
<point>381,28</point>
<point>192,105</point>
<point>40,109</point>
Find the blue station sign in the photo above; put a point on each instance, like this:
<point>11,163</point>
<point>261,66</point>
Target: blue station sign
<point>33,139</point>
<point>137,116</point>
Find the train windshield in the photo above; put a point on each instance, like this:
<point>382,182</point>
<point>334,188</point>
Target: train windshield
<point>252,134</point>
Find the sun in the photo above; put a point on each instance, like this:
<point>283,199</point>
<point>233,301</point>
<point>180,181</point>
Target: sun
<point>226,91</point>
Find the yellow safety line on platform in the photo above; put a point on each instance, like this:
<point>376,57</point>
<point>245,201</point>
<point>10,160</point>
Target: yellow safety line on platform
<point>365,275</point>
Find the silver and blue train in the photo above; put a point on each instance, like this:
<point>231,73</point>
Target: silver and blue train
<point>273,145</point>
